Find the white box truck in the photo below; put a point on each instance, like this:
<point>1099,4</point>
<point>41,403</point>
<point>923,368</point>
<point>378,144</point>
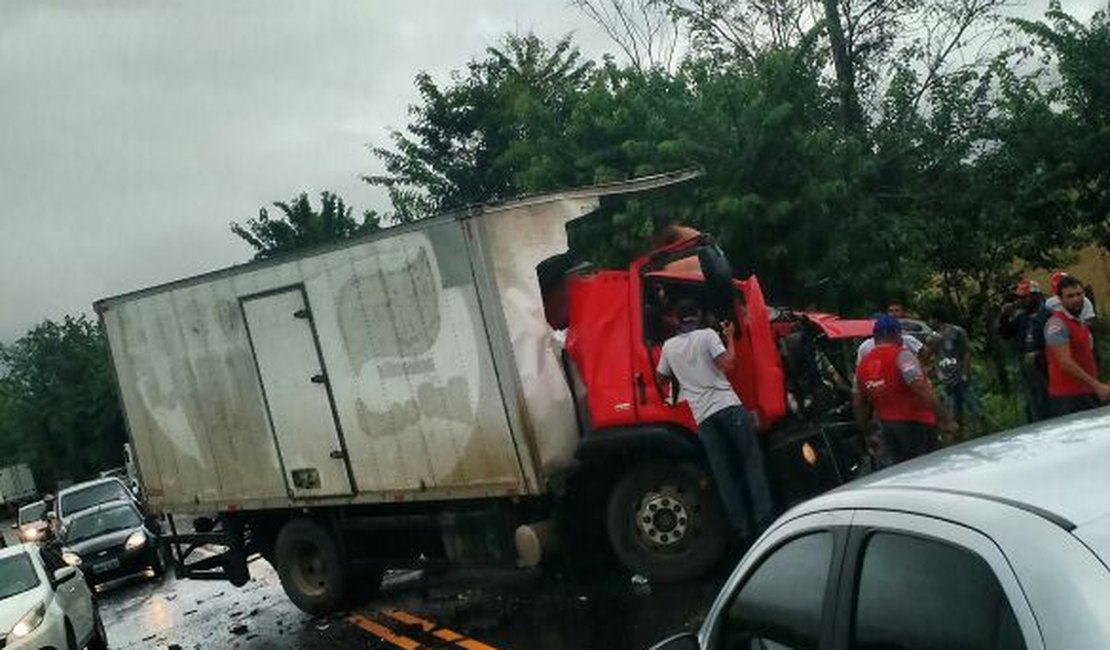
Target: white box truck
<point>17,486</point>
<point>398,400</point>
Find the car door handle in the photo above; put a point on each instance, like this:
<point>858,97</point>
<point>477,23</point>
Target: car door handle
<point>319,379</point>
<point>338,454</point>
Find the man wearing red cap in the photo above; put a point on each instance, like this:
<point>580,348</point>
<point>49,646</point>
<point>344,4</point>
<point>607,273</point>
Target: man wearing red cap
<point>891,383</point>
<point>1073,383</point>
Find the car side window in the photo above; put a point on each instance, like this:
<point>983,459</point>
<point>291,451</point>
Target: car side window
<point>916,593</point>
<point>781,604</point>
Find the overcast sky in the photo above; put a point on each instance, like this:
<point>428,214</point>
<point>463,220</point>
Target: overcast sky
<point>132,132</point>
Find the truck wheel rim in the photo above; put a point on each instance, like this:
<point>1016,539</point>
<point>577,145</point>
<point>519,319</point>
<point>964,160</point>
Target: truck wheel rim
<point>309,570</point>
<point>663,517</point>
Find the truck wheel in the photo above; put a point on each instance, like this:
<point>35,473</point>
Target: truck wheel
<point>311,567</point>
<point>664,521</point>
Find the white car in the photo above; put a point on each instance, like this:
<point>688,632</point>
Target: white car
<point>44,603</point>
<point>1001,543</point>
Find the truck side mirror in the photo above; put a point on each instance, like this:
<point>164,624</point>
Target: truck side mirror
<point>717,271</point>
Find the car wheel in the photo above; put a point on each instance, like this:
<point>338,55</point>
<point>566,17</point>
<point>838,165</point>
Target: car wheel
<point>100,637</point>
<point>664,521</point>
<point>312,568</point>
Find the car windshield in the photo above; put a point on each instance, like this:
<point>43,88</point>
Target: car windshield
<point>32,512</point>
<point>17,575</point>
<point>88,497</point>
<point>91,524</point>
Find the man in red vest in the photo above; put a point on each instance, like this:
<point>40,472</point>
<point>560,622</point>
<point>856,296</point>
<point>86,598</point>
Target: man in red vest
<point>1073,383</point>
<point>891,383</point>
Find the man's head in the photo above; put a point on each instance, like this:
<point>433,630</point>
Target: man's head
<point>896,309</point>
<point>1070,292</point>
<point>1028,292</point>
<point>688,310</point>
<point>887,329</point>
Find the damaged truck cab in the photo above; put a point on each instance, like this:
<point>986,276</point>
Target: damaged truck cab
<point>662,515</point>
<point>401,400</point>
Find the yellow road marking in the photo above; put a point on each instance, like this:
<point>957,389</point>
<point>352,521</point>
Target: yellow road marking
<point>436,631</point>
<point>384,633</point>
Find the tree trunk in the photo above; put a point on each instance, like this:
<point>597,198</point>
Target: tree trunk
<point>850,109</point>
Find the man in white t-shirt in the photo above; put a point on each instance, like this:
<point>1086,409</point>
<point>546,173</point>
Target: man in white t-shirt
<point>698,360</point>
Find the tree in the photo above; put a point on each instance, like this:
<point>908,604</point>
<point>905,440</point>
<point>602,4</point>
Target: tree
<point>496,129</point>
<point>1079,160</point>
<point>58,405</point>
<point>301,226</point>
<point>642,29</point>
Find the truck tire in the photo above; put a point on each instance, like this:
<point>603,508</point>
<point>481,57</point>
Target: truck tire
<point>664,521</point>
<point>311,566</point>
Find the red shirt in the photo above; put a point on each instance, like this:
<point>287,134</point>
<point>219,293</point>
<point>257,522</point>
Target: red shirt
<point>885,380</point>
<point>1060,382</point>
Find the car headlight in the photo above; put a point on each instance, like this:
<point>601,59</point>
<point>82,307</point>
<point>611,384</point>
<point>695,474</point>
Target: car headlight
<point>136,541</point>
<point>71,558</point>
<point>29,623</point>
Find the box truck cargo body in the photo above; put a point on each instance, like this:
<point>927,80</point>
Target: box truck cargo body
<point>17,485</point>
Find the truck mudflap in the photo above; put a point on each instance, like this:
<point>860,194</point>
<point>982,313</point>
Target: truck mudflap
<point>214,550</point>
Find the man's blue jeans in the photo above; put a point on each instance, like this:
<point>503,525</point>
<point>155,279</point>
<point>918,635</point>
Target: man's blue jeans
<point>736,460</point>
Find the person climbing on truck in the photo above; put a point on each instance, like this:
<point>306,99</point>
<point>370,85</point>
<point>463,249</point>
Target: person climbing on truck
<point>698,359</point>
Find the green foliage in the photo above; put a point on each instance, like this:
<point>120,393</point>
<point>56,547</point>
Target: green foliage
<point>300,225</point>
<point>1078,165</point>
<point>58,406</point>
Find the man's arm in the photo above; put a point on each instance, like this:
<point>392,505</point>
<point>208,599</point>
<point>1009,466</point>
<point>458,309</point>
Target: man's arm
<point>910,369</point>
<point>663,372</point>
<point>924,390</point>
<point>726,360</point>
<point>861,407</point>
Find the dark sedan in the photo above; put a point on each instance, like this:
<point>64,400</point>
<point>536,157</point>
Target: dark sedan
<point>110,541</point>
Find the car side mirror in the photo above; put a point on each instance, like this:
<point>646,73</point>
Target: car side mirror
<point>686,641</point>
<point>64,574</point>
<point>50,516</point>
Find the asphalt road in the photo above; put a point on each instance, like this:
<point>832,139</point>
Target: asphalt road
<point>460,609</point>
<point>468,610</point>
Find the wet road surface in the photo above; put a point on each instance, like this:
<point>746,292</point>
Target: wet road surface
<point>463,609</point>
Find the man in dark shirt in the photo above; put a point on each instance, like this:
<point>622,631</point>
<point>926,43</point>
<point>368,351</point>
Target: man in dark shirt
<point>1022,323</point>
<point>951,348</point>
